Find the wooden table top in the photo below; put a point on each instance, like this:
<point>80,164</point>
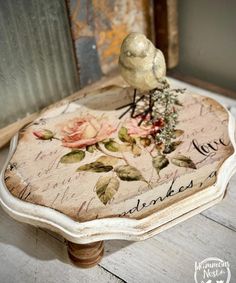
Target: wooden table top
<point>101,171</point>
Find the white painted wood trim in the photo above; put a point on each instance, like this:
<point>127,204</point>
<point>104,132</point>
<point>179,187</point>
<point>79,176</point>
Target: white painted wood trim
<point>118,228</point>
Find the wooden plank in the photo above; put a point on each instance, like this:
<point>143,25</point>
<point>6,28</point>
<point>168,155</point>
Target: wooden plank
<point>225,212</point>
<point>28,254</point>
<point>170,256</point>
<point>83,32</point>
<point>113,21</point>
<point>166,30</point>
<point>98,28</point>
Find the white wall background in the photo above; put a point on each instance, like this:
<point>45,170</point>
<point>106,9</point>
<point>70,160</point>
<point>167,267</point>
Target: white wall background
<point>207,31</point>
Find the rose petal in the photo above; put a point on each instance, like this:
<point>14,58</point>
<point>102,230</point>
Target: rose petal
<point>85,131</point>
<point>80,143</point>
<point>134,129</point>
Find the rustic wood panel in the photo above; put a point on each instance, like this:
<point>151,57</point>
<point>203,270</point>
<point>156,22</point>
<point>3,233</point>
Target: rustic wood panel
<point>83,32</point>
<point>98,28</point>
<point>166,30</point>
<point>168,257</point>
<point>36,54</point>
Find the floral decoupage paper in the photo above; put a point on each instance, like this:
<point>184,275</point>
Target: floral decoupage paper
<point>85,161</point>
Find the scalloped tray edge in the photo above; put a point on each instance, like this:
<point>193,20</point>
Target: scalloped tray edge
<point>118,228</point>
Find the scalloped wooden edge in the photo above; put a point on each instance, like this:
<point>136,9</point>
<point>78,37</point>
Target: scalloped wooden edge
<point>118,228</point>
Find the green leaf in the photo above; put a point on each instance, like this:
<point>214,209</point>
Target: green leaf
<point>91,148</point>
<point>96,167</point>
<point>106,188</point>
<point>159,162</point>
<point>178,133</point>
<point>183,161</point>
<point>73,156</point>
<point>107,160</point>
<point>129,173</point>
<point>172,147</point>
<point>111,145</point>
<point>124,136</point>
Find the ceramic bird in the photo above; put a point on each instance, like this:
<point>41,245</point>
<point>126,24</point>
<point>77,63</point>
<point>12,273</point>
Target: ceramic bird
<point>141,64</point>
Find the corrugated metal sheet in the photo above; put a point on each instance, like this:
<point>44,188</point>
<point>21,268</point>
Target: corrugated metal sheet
<point>37,65</point>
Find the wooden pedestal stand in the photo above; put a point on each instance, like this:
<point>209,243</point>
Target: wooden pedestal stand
<point>102,183</point>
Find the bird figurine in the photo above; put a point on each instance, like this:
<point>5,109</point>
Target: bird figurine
<point>141,65</point>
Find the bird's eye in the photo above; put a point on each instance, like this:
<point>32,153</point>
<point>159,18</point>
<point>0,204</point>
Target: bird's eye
<point>128,53</point>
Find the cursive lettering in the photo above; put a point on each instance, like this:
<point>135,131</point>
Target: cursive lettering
<point>210,148</point>
<point>170,193</point>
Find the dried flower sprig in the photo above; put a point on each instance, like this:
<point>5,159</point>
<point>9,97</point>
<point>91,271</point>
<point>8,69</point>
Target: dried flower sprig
<point>165,108</point>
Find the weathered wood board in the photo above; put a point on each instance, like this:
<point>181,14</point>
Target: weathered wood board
<point>98,28</point>
<point>35,173</point>
<point>166,30</point>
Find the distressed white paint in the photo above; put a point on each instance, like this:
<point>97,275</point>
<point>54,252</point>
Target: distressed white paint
<point>115,227</point>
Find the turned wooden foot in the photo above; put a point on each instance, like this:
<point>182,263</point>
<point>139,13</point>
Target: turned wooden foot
<point>86,255</point>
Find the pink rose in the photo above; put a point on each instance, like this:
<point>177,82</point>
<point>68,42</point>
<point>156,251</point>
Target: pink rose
<point>86,130</point>
<point>143,130</point>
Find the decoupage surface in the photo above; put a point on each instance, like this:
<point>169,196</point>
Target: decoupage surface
<point>85,161</point>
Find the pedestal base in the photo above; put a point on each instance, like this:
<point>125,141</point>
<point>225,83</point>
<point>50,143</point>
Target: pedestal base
<point>87,255</point>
